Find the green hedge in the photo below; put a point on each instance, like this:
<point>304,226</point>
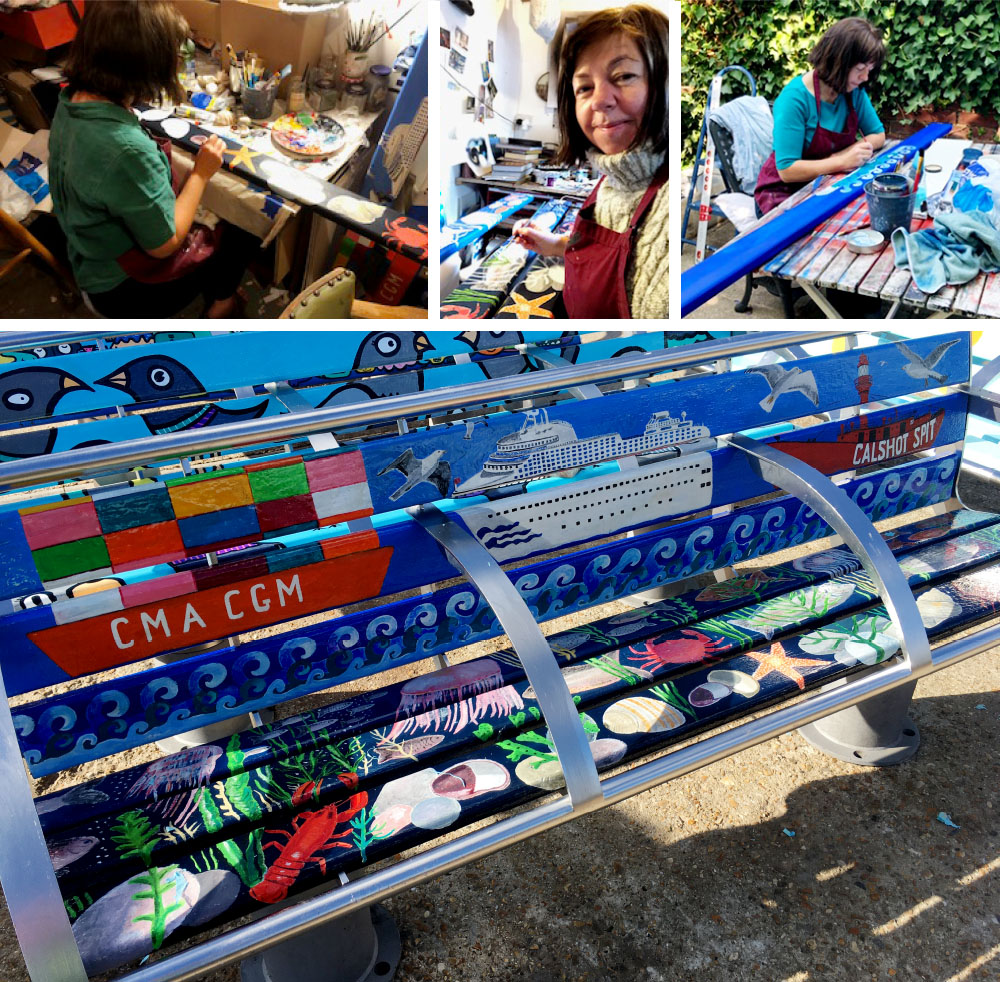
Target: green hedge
<point>943,54</point>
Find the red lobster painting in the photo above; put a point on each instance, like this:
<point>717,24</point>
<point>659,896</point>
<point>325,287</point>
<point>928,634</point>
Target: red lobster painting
<point>311,832</point>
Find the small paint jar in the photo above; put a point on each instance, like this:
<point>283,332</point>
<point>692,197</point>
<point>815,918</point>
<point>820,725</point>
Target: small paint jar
<point>378,82</point>
<point>355,98</point>
<point>296,94</point>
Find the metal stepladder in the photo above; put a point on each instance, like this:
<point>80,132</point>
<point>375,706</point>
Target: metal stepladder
<point>704,163</point>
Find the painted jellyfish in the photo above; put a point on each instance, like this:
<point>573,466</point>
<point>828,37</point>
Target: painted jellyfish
<point>454,698</point>
<point>187,769</point>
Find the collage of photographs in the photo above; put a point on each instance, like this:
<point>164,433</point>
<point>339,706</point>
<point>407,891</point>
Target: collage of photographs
<point>480,159</point>
<point>428,652</point>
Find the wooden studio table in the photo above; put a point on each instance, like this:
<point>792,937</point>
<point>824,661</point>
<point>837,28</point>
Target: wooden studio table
<point>821,260</point>
<point>234,197</point>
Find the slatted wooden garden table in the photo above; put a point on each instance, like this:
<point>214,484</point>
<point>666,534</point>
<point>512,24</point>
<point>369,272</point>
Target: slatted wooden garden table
<point>821,261</point>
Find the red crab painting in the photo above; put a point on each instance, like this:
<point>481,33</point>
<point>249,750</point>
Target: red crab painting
<point>694,647</point>
<point>401,232</point>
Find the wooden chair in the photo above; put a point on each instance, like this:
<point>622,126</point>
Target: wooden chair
<point>30,245</point>
<point>332,296</point>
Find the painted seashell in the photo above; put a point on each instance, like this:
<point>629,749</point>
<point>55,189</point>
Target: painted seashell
<point>739,682</point>
<point>708,694</point>
<point>639,714</point>
<point>436,813</point>
<point>548,775</point>
<point>176,128</point>
<point>292,184</point>
<point>356,209</point>
<point>471,778</point>
<point>392,820</point>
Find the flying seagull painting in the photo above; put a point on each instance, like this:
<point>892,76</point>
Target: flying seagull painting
<point>923,368</point>
<point>785,380</point>
<point>416,471</point>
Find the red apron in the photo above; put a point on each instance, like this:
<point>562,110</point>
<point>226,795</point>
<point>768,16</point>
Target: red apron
<point>596,258</point>
<point>771,190</point>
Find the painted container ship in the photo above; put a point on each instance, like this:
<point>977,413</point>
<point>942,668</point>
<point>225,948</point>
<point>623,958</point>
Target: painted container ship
<point>543,446</point>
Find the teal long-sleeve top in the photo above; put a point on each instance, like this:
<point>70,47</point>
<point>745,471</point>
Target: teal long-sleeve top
<point>795,119</point>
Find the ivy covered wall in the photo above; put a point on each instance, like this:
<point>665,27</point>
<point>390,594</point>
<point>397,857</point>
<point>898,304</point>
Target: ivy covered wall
<point>942,55</point>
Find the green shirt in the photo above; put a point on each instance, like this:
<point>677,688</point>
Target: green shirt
<point>110,187</point>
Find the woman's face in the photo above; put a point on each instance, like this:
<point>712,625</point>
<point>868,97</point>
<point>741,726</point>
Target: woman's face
<point>611,89</point>
<point>859,75</point>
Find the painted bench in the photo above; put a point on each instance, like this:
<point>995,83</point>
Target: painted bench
<point>149,856</point>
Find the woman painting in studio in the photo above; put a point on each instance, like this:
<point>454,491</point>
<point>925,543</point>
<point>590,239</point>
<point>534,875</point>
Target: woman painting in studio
<point>612,111</point>
<point>132,242</point>
<point>824,122</point>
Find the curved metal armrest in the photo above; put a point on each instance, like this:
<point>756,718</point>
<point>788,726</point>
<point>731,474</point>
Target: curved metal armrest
<point>561,715</point>
<point>29,881</point>
<point>850,522</point>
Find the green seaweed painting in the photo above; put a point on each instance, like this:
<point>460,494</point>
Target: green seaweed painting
<point>134,835</point>
<point>159,881</point>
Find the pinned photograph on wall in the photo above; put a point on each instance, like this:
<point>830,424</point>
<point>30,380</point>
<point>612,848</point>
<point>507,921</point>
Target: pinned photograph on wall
<point>456,61</point>
<point>470,104</point>
<point>539,237</point>
<point>479,154</point>
<point>461,39</point>
<point>445,38</point>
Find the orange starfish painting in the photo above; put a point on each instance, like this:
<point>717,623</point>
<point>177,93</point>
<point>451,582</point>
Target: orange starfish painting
<point>777,661</point>
<point>524,309</point>
<point>244,155</point>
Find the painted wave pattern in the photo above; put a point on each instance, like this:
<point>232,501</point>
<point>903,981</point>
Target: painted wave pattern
<point>362,797</point>
<point>83,725</point>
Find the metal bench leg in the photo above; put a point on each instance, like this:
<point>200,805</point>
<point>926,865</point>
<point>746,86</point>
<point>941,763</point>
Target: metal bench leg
<point>876,732</point>
<point>742,306</point>
<point>363,946</point>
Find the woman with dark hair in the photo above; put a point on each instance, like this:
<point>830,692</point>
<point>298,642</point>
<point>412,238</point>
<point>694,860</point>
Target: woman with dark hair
<point>132,242</point>
<point>824,122</point>
<point>612,98</point>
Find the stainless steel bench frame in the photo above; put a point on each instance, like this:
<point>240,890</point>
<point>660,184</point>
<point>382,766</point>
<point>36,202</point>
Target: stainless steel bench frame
<point>33,898</point>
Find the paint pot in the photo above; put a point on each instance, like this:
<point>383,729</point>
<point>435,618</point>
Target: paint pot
<point>888,207</point>
<point>258,103</point>
<point>865,241</point>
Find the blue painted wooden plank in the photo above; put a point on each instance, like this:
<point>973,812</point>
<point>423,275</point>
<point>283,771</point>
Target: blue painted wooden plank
<point>475,225</point>
<point>550,517</point>
<point>480,295</point>
<point>314,657</point>
<point>719,270</point>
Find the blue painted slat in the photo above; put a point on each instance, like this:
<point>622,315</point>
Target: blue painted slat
<point>713,274</point>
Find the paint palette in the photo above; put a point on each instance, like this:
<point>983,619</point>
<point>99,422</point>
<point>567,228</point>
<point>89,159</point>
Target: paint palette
<point>306,134</point>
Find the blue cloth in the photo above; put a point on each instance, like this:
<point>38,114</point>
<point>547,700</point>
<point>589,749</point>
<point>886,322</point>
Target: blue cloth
<point>795,119</point>
<point>957,249</point>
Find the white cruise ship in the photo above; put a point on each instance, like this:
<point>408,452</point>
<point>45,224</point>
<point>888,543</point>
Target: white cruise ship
<point>515,527</point>
<point>543,446</point>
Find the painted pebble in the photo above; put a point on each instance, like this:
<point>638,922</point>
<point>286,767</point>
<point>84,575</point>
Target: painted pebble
<point>639,714</point>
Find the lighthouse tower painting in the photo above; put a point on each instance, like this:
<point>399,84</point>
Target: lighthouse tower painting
<point>863,383</point>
